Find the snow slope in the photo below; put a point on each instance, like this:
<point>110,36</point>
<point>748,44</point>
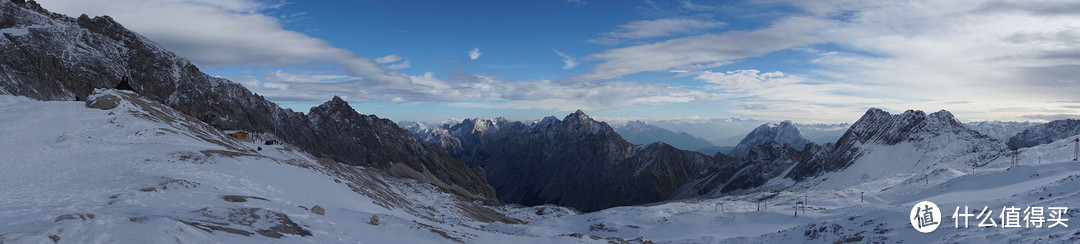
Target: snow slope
<point>142,173</point>
<point>837,215</point>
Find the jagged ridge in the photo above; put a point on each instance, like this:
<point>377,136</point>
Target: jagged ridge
<point>1045,133</point>
<point>576,162</point>
<point>64,58</point>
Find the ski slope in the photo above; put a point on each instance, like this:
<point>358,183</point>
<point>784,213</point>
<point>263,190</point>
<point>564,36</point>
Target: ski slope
<point>839,215</point>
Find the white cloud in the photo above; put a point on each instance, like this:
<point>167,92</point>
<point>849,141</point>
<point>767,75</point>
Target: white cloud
<point>643,29</point>
<point>402,65</point>
<point>746,80</point>
<point>390,60</point>
<point>278,86</point>
<point>483,91</point>
<point>704,51</point>
<point>689,5</point>
<point>474,53</point>
<point>568,61</point>
<point>226,33</point>
<point>982,60</point>
<point>576,2</point>
<point>238,6</point>
<point>280,76</point>
<point>247,79</point>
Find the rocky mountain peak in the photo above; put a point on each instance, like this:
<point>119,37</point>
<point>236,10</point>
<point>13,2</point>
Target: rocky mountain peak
<point>882,127</point>
<point>636,124</point>
<point>944,117</point>
<point>335,107</point>
<point>579,123</point>
<point>783,133</point>
<point>926,141</point>
<point>337,102</point>
<point>578,116</point>
<point>546,122</point>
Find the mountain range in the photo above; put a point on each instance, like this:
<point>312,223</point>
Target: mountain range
<point>641,132</point>
<point>575,161</point>
<point>546,162</point>
<point>55,57</point>
<point>86,163</point>
<point>1045,133</point>
<point>1000,130</point>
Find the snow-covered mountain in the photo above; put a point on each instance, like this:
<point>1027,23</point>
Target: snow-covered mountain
<point>727,132</point>
<point>121,168</point>
<point>129,170</point>
<point>784,133</point>
<point>1045,133</point>
<point>576,161</point>
<point>140,167</point>
<point>641,132</point>
<point>880,145</point>
<point>1000,130</point>
<point>876,211</point>
<point>49,56</point>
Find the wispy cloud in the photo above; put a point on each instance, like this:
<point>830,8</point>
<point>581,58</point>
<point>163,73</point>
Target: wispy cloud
<point>392,61</point>
<point>568,61</point>
<point>474,53</point>
<point>478,91</point>
<point>690,5</point>
<point>976,59</point>
<point>704,51</point>
<point>746,80</point>
<point>643,29</point>
<point>389,59</point>
<point>1002,59</point>
<point>227,33</point>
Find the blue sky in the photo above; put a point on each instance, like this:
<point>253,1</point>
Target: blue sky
<point>810,61</point>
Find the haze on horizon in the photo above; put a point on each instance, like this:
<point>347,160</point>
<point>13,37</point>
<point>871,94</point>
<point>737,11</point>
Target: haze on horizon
<point>808,61</point>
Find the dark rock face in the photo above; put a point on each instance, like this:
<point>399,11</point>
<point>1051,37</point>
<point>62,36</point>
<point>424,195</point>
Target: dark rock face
<point>1045,133</point>
<point>124,85</point>
<point>576,162</point>
<point>762,163</point>
<point>767,161</point>
<point>63,58</point>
